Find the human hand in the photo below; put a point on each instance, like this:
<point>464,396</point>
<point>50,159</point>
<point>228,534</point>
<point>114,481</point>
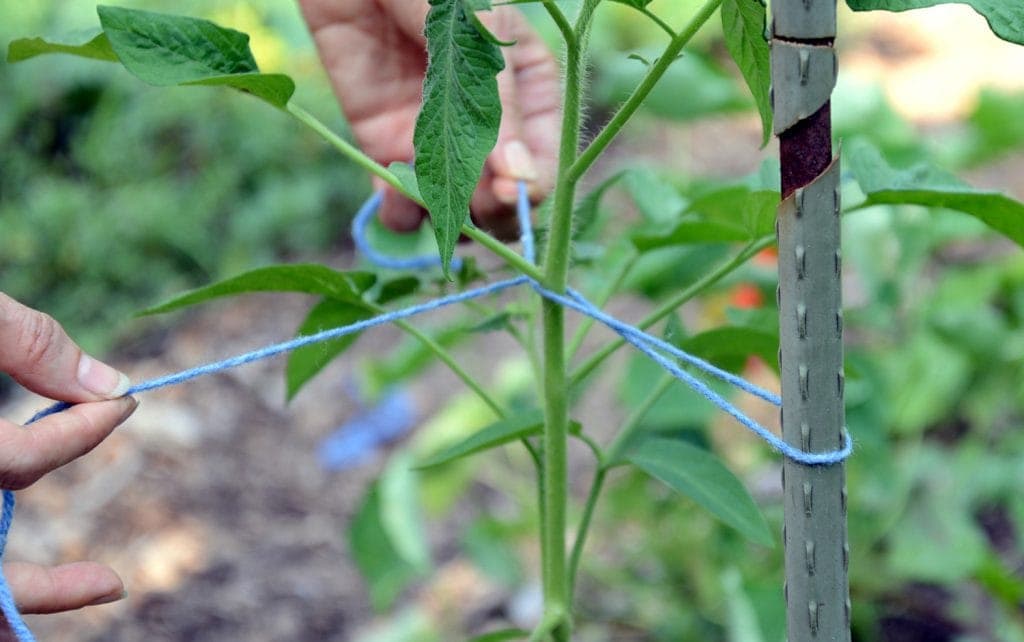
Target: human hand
<point>375,55</point>
<point>37,353</point>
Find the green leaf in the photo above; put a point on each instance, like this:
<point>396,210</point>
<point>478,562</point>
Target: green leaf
<point>700,475</point>
<point>276,89</point>
<point>753,209</point>
<point>930,530</point>
<point>995,126</point>
<point>743,22</point>
<point>1004,17</point>
<point>692,229</point>
<point>386,572</point>
<point>729,346</point>
<point>398,288</point>
<point>708,89</point>
<point>656,197</point>
<point>458,123</point>
<point>472,6</point>
<point>95,46</point>
<point>165,50</point>
<point>587,212</point>
<point>926,383</point>
<point>521,425</point>
<point>636,4</point>
<point>930,187</point>
<point>501,636</point>
<point>409,359</point>
<point>730,214</point>
<point>741,621</point>
<point>400,511</point>
<point>491,548</point>
<point>406,175</point>
<point>469,273</point>
<point>307,278</point>
<point>304,363</point>
<point>495,322</point>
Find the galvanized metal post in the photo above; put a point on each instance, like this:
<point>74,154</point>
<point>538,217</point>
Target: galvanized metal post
<point>810,319</point>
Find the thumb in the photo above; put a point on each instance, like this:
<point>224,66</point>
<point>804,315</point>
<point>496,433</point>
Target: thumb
<point>39,355</point>
<point>510,161</point>
<point>527,146</point>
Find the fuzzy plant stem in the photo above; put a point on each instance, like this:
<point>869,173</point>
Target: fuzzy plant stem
<point>654,74</point>
<point>556,399</point>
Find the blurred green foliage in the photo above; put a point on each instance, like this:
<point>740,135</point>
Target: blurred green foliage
<point>114,195</point>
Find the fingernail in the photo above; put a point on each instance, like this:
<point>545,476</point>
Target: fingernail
<point>520,161</point>
<point>505,191</point>
<point>130,404</point>
<point>99,378</point>
<point>107,599</point>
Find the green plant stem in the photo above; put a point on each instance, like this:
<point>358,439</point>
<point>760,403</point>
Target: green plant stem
<point>343,146</point>
<point>556,477</point>
<point>600,301</point>
<point>359,158</point>
<point>658,21</point>
<point>672,304</point>
<point>596,487</point>
<point>445,357</point>
<point>561,22</point>
<point>606,462</point>
<point>505,253</point>
<point>556,398</point>
<point>654,74</point>
<point>548,625</point>
<point>594,447</point>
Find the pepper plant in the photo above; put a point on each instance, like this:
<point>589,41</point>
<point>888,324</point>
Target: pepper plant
<point>720,228</point>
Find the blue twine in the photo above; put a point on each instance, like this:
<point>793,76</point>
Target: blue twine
<point>649,345</point>
<point>525,224</point>
<point>656,349</point>
<point>362,435</point>
<point>299,342</point>
<point>361,222</point>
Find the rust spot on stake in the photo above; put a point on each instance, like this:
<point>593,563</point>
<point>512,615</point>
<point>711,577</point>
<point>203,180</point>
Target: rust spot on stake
<point>805,150</point>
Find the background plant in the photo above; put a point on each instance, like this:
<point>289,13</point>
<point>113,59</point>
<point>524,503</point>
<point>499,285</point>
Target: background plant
<point>663,230</point>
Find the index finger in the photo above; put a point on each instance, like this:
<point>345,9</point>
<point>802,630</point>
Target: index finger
<point>26,454</point>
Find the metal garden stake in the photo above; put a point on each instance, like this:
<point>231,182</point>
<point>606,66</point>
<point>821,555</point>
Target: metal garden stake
<point>810,319</point>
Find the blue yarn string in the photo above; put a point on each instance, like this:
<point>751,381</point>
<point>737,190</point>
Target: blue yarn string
<point>661,352</point>
<point>525,224</point>
<point>650,345</point>
<point>360,224</point>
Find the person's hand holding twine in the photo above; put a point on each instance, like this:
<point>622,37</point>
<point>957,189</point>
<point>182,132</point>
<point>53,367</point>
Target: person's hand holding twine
<point>37,353</point>
<point>375,54</point>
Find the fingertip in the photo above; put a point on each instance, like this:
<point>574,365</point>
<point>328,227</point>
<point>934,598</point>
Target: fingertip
<point>41,589</point>
<point>101,379</point>
<point>505,190</point>
<point>130,404</point>
<point>518,162</point>
<point>399,214</point>
<point>59,438</point>
<point>494,216</point>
